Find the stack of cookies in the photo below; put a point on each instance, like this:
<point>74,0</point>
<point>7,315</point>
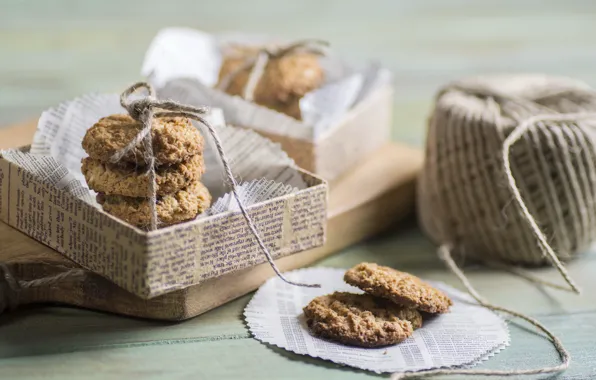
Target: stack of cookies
<point>387,313</point>
<point>285,81</point>
<point>123,187</point>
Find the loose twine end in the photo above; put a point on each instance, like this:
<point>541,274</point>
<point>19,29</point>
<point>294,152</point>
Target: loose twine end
<point>444,253</point>
<point>145,110</point>
<point>11,287</point>
<point>511,139</point>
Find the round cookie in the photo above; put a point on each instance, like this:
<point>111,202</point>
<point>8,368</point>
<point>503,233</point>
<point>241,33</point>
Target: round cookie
<point>175,139</point>
<point>131,182</point>
<point>399,287</point>
<point>360,319</point>
<point>289,78</point>
<point>285,81</point>
<point>173,208</point>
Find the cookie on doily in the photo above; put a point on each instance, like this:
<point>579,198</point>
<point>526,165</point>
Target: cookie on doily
<point>400,287</point>
<point>360,319</point>
<point>467,335</point>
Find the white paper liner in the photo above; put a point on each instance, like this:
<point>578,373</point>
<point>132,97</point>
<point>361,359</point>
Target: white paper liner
<point>182,53</point>
<point>466,336</point>
<point>56,153</point>
<point>251,193</point>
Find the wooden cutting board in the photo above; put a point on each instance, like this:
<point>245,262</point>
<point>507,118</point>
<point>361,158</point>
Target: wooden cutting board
<point>367,200</point>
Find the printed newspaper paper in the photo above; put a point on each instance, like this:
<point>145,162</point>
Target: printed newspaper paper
<point>465,336</point>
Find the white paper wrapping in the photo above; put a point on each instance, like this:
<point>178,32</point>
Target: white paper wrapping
<point>56,153</point>
<point>196,57</point>
<point>464,337</point>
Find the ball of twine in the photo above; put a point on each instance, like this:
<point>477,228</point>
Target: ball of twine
<point>510,177</point>
<point>510,169</point>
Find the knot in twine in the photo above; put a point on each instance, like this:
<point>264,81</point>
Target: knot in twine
<point>258,62</point>
<point>145,110</point>
<point>11,287</point>
<point>510,177</point>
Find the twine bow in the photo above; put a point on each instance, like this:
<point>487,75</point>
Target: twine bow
<point>145,110</point>
<point>257,63</point>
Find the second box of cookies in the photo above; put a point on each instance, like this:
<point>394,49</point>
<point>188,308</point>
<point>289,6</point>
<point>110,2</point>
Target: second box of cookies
<point>326,113</point>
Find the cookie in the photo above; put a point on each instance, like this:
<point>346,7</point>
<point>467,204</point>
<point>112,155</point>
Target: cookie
<point>233,60</point>
<point>132,181</point>
<point>291,77</point>
<point>399,287</point>
<point>173,208</point>
<point>175,139</point>
<point>360,319</point>
<point>285,80</point>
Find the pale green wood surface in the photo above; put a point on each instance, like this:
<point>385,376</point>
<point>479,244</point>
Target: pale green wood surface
<point>53,50</point>
<point>64,343</point>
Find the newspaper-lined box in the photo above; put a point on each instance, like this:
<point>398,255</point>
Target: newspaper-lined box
<point>343,122</point>
<point>156,262</point>
<point>44,194</point>
<point>362,131</point>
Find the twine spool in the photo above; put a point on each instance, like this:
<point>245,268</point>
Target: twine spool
<point>508,159</point>
<point>510,178</point>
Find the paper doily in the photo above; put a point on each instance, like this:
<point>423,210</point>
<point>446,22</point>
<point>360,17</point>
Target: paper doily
<point>464,337</point>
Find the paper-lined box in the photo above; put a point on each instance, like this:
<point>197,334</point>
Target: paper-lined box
<point>43,193</point>
<point>362,131</point>
<point>156,262</point>
<point>343,122</point>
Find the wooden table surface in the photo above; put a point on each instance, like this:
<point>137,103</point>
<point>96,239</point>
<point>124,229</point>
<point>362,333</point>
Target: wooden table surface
<point>54,50</point>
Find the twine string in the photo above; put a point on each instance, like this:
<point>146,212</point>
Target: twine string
<point>255,76</point>
<point>10,286</point>
<point>520,272</point>
<point>145,110</point>
<point>445,255</point>
<point>514,137</point>
<point>257,63</point>
<point>146,120</point>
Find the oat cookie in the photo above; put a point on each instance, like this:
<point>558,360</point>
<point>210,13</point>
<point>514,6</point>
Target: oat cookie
<point>291,77</point>
<point>360,319</point>
<point>175,139</point>
<point>133,181</point>
<point>400,287</point>
<point>285,81</point>
<point>174,208</point>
